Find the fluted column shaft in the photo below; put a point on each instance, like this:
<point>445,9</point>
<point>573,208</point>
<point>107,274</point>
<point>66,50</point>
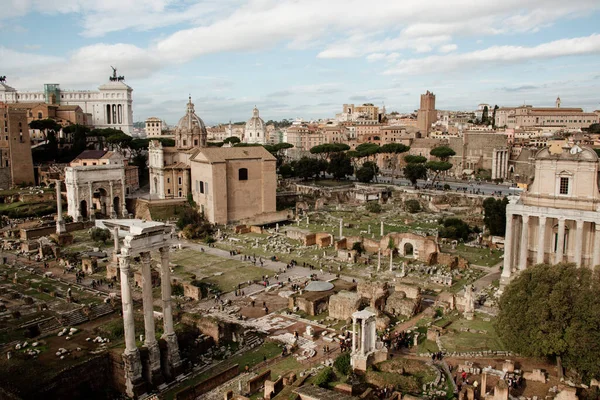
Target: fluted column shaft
<point>579,242</point>
<point>508,246</point>
<point>560,243</point>
<point>524,242</point>
<point>128,321</point>
<point>541,240</point>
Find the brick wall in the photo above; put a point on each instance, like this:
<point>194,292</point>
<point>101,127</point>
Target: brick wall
<point>209,384</point>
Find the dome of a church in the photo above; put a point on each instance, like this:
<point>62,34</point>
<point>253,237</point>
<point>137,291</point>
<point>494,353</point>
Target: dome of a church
<point>255,123</point>
<point>190,120</point>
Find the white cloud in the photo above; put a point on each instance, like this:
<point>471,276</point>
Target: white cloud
<point>499,54</point>
<point>376,57</point>
<point>447,48</point>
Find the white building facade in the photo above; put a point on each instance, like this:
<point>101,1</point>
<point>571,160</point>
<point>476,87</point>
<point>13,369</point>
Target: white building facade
<point>111,106</point>
<point>556,220</point>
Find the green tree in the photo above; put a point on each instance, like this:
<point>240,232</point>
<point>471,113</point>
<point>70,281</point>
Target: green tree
<point>306,168</point>
<point>455,228</point>
<point>485,115</point>
<point>195,226</point>
<point>166,142</point>
<point>232,140</point>
<point>553,311</point>
<point>393,149</point>
<point>323,378</point>
<point>278,151</point>
<point>437,167</point>
<point>414,171</point>
<point>100,235</point>
<point>327,149</point>
<point>286,171</point>
<point>494,116</point>
<point>494,216</point>
<point>365,174</point>
<point>342,363</point>
<point>412,206</point>
<point>412,159</point>
<point>373,207</point>
<point>78,135</point>
<point>442,152</point>
<point>340,166</point>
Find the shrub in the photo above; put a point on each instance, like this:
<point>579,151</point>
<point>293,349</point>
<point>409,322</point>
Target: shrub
<point>342,363</point>
<point>324,377</point>
<point>100,235</point>
<point>412,206</point>
<point>446,186</point>
<point>373,207</point>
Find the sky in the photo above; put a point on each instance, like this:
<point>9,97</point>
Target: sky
<point>306,58</point>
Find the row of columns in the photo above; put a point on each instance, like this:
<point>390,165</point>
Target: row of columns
<point>367,339</point>
<point>133,366</point>
<point>500,163</point>
<point>522,255</point>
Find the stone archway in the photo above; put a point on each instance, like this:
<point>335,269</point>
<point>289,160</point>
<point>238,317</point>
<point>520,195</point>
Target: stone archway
<point>116,206</point>
<point>83,209</point>
<point>101,200</point>
<point>408,249</point>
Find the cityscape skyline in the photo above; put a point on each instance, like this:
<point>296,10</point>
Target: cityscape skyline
<point>305,60</point>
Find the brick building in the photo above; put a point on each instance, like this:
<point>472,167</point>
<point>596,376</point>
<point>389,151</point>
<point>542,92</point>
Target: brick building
<point>16,164</point>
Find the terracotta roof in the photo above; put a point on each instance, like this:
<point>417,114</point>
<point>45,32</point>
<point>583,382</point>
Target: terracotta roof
<point>91,155</point>
<point>222,154</point>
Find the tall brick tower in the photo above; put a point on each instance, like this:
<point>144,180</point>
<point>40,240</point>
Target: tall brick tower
<point>16,165</point>
<point>427,113</point>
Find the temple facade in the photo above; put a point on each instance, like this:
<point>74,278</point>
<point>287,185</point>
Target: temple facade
<point>556,220</point>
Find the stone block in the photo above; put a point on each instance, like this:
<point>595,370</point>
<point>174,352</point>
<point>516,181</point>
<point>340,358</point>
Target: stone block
<point>537,375</point>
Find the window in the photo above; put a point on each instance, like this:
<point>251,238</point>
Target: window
<point>564,185</point>
<point>179,181</point>
<point>201,187</point>
<point>243,174</point>
<point>168,191</point>
<point>195,142</point>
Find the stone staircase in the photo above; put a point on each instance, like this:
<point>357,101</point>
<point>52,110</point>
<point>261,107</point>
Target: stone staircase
<point>252,339</point>
<point>73,318</point>
<point>49,326</point>
<point>100,310</point>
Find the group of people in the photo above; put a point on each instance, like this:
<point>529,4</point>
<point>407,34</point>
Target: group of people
<point>396,340</point>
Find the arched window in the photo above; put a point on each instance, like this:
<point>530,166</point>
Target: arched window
<point>243,174</point>
<point>39,115</point>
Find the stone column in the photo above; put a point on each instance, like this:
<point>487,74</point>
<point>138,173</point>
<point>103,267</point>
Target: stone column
<point>495,164</point>
<point>353,335</point>
<point>111,203</point>
<point>561,241</point>
<point>508,247</point>
<point>378,260</point>
<point>524,242</point>
<point>341,228</point>
<point>60,222</point>
<point>373,334</point>
<point>92,216</point>
<point>541,240</point>
<point>153,366</point>
<point>596,255</point>
<point>381,229</point>
<point>131,356</point>
<point>362,337</point>
<point>579,242</point>
<point>391,259</point>
<point>123,207</point>
<point>169,336</point>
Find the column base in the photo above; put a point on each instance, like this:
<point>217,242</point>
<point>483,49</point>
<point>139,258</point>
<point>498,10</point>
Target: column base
<point>134,384</point>
<point>151,365</point>
<point>173,359</point>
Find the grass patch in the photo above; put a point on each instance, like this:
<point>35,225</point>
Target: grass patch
<point>458,341</point>
<point>204,266</point>
<point>477,256</point>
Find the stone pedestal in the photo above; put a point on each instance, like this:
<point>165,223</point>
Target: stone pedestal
<point>151,364</point>
<point>134,384</point>
<point>174,365</point>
